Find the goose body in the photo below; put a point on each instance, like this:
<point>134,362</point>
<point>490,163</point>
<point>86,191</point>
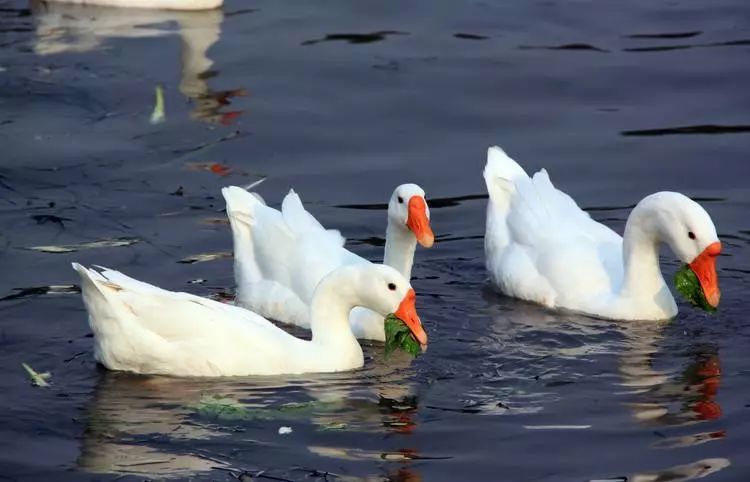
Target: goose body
<point>281,255</point>
<point>144,329</point>
<point>541,247</point>
<point>151,4</point>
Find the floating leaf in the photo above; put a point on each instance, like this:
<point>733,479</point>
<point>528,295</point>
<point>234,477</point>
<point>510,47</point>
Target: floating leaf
<point>398,335</point>
<point>333,427</point>
<point>200,258</point>
<point>38,379</point>
<point>686,282</point>
<point>70,248</point>
<point>158,115</point>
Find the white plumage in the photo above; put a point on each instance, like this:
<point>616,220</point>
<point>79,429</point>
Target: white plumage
<point>144,329</point>
<point>281,255</point>
<point>540,246</point>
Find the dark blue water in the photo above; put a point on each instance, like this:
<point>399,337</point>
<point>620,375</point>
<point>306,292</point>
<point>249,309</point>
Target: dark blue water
<point>343,101</point>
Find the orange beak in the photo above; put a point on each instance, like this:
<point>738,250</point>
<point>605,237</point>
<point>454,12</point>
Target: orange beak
<point>704,267</point>
<point>418,221</point>
<point>407,312</point>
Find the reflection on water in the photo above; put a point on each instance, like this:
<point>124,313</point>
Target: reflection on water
<point>661,399</point>
<point>669,398</point>
<point>66,28</point>
<point>126,412</point>
<point>661,403</point>
<point>355,38</point>
<point>695,470</point>
<point>139,425</point>
<point>688,130</point>
<point>674,398</point>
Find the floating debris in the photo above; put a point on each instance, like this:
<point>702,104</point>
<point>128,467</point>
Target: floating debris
<point>37,379</point>
<point>253,184</point>
<point>285,430</point>
<point>200,258</point>
<point>333,427</point>
<point>40,290</point>
<point>214,221</point>
<point>158,115</point>
<point>214,167</point>
<point>556,427</point>
<point>70,248</point>
<point>52,249</point>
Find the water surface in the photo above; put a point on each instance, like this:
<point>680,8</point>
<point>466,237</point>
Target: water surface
<point>343,101</point>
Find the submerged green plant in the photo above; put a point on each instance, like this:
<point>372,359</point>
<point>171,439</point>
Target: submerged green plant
<point>686,282</point>
<point>225,408</point>
<point>398,335</point>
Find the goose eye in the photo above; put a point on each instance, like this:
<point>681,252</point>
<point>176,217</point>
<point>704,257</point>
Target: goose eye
<point>691,235</point>
<point>391,286</point>
<point>400,200</point>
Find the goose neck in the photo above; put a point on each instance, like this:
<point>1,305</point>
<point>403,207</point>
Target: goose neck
<point>400,245</point>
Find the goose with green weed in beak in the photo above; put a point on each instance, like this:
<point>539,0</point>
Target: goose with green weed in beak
<point>541,247</point>
<point>281,255</point>
<point>143,329</point>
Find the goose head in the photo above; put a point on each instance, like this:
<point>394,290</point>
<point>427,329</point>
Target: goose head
<point>385,290</point>
<point>408,209</point>
<point>688,230</point>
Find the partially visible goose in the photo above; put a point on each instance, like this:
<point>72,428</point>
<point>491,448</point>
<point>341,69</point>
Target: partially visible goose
<point>144,329</point>
<point>540,246</point>
<point>152,4</point>
<point>281,255</point>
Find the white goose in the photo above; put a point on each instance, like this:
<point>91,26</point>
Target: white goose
<point>281,255</point>
<point>151,4</point>
<point>540,246</point>
<point>144,329</point>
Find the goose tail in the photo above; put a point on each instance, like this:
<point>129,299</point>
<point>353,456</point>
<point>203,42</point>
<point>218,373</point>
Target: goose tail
<point>241,209</point>
<point>501,173</point>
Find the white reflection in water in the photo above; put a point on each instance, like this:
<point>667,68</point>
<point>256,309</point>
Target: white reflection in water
<point>66,28</point>
<point>668,397</point>
<point>657,398</point>
<point>152,426</point>
<point>696,470</point>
